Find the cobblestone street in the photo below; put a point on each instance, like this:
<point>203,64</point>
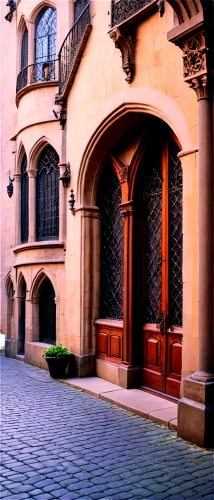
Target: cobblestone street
<point>60,443</point>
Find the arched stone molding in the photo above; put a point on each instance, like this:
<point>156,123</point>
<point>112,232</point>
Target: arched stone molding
<point>39,7</point>
<point>21,281</point>
<point>186,9</point>
<point>20,153</point>
<point>124,111</point>
<point>32,330</point>
<point>8,281</point>
<point>10,345</point>
<point>38,148</point>
<point>37,282</point>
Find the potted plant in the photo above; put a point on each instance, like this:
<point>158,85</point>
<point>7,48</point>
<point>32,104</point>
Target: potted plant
<point>57,358</point>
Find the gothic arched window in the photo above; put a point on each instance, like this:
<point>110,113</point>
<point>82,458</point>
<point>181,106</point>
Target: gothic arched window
<point>111,262</point>
<point>45,44</point>
<point>24,49</point>
<point>47,313</point>
<point>47,196</point>
<point>24,200</point>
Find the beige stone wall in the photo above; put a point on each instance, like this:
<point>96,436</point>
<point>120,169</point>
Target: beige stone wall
<point>99,89</point>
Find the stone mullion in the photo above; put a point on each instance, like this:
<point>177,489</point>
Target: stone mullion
<point>18,209</point>
<point>32,206</point>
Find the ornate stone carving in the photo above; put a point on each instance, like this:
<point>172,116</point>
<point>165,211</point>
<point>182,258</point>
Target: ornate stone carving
<point>161,8</point>
<point>194,56</point>
<point>120,169</point>
<point>196,66</point>
<point>201,86</point>
<point>125,42</point>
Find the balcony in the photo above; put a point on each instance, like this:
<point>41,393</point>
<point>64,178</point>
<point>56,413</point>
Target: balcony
<point>71,52</point>
<point>41,73</point>
<point>130,12</point>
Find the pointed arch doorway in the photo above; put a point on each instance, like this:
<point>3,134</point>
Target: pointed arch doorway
<point>159,187</point>
<point>150,334</point>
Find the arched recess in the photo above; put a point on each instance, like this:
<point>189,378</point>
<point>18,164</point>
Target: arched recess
<point>20,153</point>
<point>157,118</point>
<point>132,106</point>
<point>22,28</point>
<point>39,7</point>
<point>45,308</point>
<point>10,306</point>
<point>21,299</point>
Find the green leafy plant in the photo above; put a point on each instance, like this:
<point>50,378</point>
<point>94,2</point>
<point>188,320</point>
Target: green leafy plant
<point>56,351</point>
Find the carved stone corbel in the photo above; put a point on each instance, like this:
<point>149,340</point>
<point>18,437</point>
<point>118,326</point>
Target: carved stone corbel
<point>120,169</point>
<point>125,42</point>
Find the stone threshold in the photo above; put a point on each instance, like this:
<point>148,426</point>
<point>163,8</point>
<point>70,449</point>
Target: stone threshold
<point>139,402</point>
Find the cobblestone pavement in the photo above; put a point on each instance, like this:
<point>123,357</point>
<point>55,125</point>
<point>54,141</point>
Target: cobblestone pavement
<point>60,443</point>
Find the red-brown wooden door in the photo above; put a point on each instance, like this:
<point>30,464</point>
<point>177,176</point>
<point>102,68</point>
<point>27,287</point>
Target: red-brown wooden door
<point>162,281</point>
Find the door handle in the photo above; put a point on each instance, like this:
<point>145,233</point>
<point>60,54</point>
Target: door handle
<point>161,324</point>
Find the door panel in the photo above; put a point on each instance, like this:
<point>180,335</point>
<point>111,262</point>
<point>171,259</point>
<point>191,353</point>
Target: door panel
<point>162,332</point>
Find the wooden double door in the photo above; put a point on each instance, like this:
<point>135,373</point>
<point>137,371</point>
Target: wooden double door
<point>161,327</point>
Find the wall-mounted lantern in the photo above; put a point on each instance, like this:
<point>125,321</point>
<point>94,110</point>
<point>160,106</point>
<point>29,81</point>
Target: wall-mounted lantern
<point>10,187</point>
<point>12,5</point>
<point>71,202</point>
<point>66,176</point>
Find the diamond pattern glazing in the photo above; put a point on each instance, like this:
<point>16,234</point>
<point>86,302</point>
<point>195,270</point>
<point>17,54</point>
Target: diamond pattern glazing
<point>112,229</point>
<point>175,236</point>
<point>47,202</point>
<point>45,41</point>
<point>153,241</point>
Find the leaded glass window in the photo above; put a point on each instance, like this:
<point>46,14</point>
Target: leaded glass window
<point>45,44</point>
<point>24,200</point>
<point>175,235</point>
<point>24,51</point>
<point>47,196</point>
<point>153,277</point>
<point>47,313</point>
<point>112,231</point>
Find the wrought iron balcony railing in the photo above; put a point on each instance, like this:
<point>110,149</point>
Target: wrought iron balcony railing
<point>72,48</point>
<point>44,71</point>
<point>121,10</point>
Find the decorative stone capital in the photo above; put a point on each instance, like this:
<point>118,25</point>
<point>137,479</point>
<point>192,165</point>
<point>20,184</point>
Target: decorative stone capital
<point>196,71</point>
<point>125,42</point>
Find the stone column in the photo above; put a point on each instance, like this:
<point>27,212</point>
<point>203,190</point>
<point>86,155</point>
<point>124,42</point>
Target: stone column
<point>32,206</point>
<point>128,373</point>
<point>62,206</point>
<point>196,409</point>
<point>88,218</point>
<point>18,209</point>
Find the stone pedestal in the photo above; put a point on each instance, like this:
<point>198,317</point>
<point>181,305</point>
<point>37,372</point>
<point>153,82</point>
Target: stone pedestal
<point>196,412</point>
<point>85,365</point>
<point>128,376</point>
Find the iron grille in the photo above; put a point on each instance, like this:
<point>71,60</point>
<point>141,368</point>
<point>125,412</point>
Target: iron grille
<point>175,236</point>
<point>153,241</point>
<point>24,200</point>
<point>45,41</point>
<point>123,9</point>
<point>47,202</point>
<point>39,72</point>
<point>70,47</point>
<point>112,229</point>
<point>47,313</point>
